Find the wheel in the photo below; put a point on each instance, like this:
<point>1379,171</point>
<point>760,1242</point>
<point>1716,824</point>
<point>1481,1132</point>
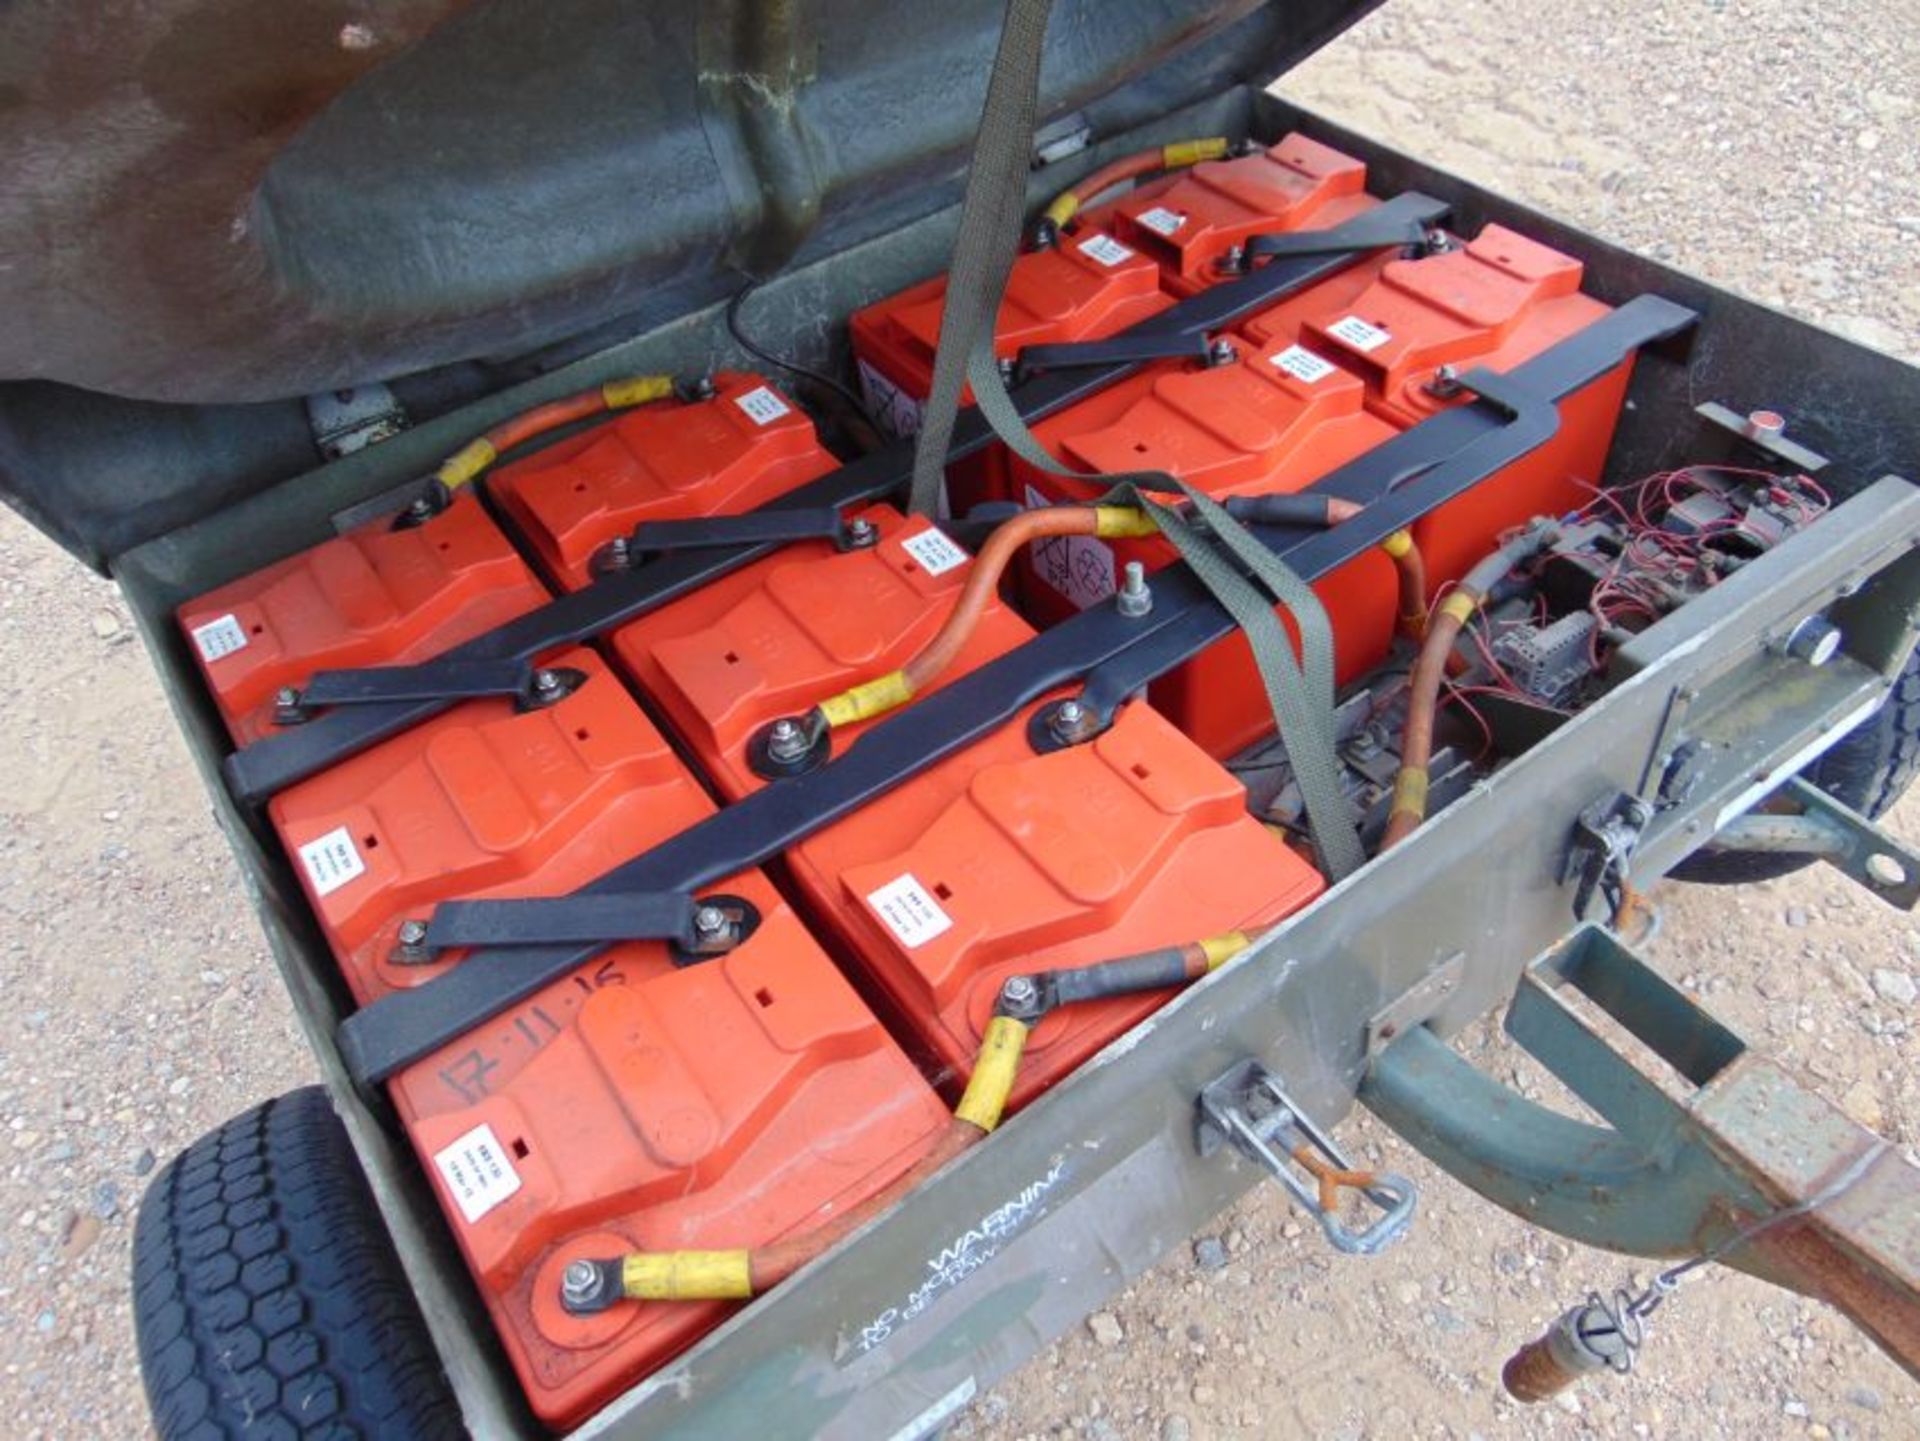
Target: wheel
<point>268,1300</point>
<point>1869,771</point>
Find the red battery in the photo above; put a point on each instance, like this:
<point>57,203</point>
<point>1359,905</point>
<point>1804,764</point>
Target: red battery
<point>774,638</point>
<point>379,595</point>
<point>744,445</point>
<point>1189,222</point>
<point>484,800</point>
<point>994,861</point>
<point>1272,420</point>
<point>1088,287</point>
<point>1494,303</point>
<point>637,1104</point>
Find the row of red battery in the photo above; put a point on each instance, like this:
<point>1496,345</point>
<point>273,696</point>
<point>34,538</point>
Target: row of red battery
<point>641,1104</point>
<point>1311,384</point>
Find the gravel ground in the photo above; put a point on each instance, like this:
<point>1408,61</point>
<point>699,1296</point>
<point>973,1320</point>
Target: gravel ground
<point>1765,145</point>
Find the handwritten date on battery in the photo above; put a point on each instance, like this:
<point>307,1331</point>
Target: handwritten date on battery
<point>473,1073</point>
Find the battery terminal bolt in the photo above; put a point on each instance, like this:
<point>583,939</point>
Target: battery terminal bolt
<point>1222,352</point>
<point>861,533</point>
<point>787,741</point>
<point>1445,383</point>
<point>583,1286</point>
<point>1134,597</point>
<point>1072,721</point>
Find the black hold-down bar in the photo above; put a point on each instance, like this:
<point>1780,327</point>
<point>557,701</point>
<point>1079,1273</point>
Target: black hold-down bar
<point>562,920</point>
<point>1397,483</point>
<point>271,764</point>
<point>1124,349</point>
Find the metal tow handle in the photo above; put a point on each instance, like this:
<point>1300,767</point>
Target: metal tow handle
<point>1247,1108</point>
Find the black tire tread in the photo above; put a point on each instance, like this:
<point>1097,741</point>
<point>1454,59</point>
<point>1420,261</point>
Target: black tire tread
<point>268,1301</point>
<point>1869,771</point>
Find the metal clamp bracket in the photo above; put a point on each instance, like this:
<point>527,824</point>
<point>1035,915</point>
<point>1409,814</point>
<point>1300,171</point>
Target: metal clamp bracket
<point>530,686</point>
<point>698,929</point>
<point>1247,1108</point>
<point>1120,350</point>
<point>754,527</point>
<point>1370,231</point>
<point>1601,849</point>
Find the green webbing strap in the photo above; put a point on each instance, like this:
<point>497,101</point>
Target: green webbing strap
<point>988,238</point>
<point>990,224</point>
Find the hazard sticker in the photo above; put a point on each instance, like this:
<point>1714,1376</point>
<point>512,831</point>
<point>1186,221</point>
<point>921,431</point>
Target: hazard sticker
<point>890,407</point>
<point>332,861</point>
<point>220,637</point>
<point>1303,364</point>
<point>1357,333</point>
<point>935,552</point>
<point>1162,221</point>
<point>762,405</point>
<point>910,911</point>
<point>477,1171</point>
<point>1105,249</point>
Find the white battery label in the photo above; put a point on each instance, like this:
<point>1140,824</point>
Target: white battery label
<point>762,405</point>
<point>477,1171</point>
<point>1358,333</point>
<point>1303,364</point>
<point>220,637</point>
<point>332,861</point>
<point>936,553</point>
<point>1162,221</point>
<point>1078,566</point>
<point>910,911</point>
<point>1105,249</point>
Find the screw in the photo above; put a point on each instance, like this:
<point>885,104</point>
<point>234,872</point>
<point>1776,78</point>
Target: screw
<point>581,1284</point>
<point>412,933</point>
<point>1006,372</point>
<point>286,697</point>
<point>1070,714</point>
<point>1134,598</point>
<point>619,551</point>
<point>709,921</point>
<point>702,389</point>
<point>1884,871</point>
<point>1233,262</point>
<point>860,533</point>
<point>1445,383</point>
<point>1221,352</point>
<point>545,682</point>
<point>1437,242</point>
<point>1019,991</point>
<point>786,741</point>
<point>421,509</point>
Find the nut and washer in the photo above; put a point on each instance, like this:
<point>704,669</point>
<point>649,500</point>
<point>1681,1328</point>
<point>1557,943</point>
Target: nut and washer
<point>583,1286</point>
<point>413,933</point>
<point>1019,991</point>
<point>861,533</point>
<point>709,922</point>
<point>787,740</point>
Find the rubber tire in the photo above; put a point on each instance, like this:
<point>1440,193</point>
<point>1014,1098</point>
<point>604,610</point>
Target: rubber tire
<point>268,1300</point>
<point>1869,771</point>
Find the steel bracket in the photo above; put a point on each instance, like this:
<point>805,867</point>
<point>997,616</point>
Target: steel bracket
<point>1601,850</point>
<point>1859,848</point>
<point>754,527</point>
<point>1708,1150</point>
<point>1247,1108</point>
<point>530,687</point>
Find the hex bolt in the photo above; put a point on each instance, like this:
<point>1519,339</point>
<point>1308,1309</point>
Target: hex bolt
<point>860,533</point>
<point>1445,383</point>
<point>619,552</point>
<point>1884,871</point>
<point>1134,598</point>
<point>1221,352</point>
<point>581,1285</point>
<point>1071,715</point>
<point>709,922</point>
<point>1019,991</point>
<point>287,697</point>
<point>1233,262</point>
<point>413,933</point>
<point>1814,640</point>
<point>545,682</point>
<point>421,509</point>
<point>786,741</point>
<point>702,388</point>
